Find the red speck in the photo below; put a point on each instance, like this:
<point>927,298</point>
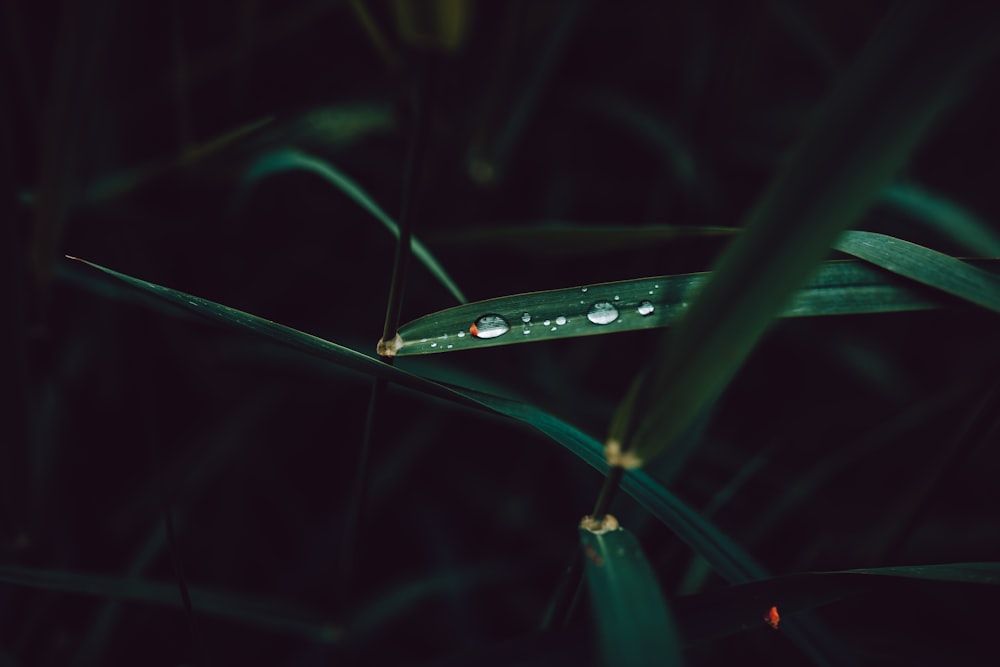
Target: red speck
<point>474,330</point>
<point>594,556</point>
<point>772,617</point>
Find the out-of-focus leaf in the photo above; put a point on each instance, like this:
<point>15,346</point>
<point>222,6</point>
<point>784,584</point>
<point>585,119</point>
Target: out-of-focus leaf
<point>944,216</point>
<point>633,621</point>
<point>265,615</point>
<point>289,160</point>
<point>914,66</point>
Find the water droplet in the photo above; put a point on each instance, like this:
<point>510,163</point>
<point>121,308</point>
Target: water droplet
<point>560,320</point>
<point>583,289</point>
<point>553,328</point>
<point>602,312</point>
<point>434,344</point>
<point>526,332</point>
<point>450,346</point>
<point>547,322</point>
<point>526,318</point>
<point>489,326</point>
<point>645,308</point>
<point>617,297</point>
<point>461,334</point>
<point>656,287</point>
<point>650,291</point>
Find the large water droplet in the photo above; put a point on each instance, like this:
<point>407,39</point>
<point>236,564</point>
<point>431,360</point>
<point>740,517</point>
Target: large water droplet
<point>560,320</point>
<point>645,308</point>
<point>489,326</point>
<point>602,312</point>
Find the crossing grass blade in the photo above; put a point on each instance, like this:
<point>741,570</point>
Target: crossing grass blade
<point>912,69</point>
<point>633,621</point>
<point>838,288</point>
<point>289,159</point>
<point>265,615</point>
<point>924,265</point>
<point>733,563</point>
<point>944,216</point>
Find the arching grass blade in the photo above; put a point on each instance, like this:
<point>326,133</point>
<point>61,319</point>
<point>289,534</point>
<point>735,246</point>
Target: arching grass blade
<point>724,555</point>
<point>946,217</point>
<point>633,622</point>
<point>924,265</point>
<point>289,159</point>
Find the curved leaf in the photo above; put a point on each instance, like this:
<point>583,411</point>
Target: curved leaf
<point>289,159</point>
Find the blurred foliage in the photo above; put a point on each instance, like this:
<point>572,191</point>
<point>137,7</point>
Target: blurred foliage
<point>127,132</point>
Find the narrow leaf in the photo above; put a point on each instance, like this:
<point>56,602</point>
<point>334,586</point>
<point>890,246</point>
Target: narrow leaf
<point>265,615</point>
<point>289,159</point>
<point>633,622</point>
<point>924,266</point>
<point>944,216</point>
<point>839,288</point>
<point>731,561</point>
<point>859,139</point>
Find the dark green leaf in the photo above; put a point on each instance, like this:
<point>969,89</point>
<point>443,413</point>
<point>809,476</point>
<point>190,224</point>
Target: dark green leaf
<point>633,622</point>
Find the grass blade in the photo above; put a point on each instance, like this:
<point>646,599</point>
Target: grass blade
<point>633,622</point>
<point>289,159</point>
<point>860,138</point>
<point>724,555</point>
<point>924,266</point>
<point>839,288</point>
<point>722,612</point>
<point>948,218</point>
<point>261,614</point>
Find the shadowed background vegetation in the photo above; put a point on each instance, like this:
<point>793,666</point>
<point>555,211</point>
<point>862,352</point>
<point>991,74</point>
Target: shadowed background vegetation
<point>189,144</point>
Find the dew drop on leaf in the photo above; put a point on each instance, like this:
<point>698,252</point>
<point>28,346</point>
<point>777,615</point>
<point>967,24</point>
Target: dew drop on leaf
<point>489,326</point>
<point>645,308</point>
<point>560,320</point>
<point>602,312</point>
<point>526,318</point>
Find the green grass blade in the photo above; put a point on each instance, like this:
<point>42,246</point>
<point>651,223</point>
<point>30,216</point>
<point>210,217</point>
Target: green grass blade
<point>265,615</point>
<point>860,139</point>
<point>839,288</point>
<point>925,266</point>
<point>724,555</point>
<point>289,159</point>
<point>721,612</point>
<point>945,216</point>
<point>633,622</point>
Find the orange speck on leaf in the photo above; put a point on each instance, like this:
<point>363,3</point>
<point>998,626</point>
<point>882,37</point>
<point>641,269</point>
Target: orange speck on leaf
<point>474,330</point>
<point>772,617</point>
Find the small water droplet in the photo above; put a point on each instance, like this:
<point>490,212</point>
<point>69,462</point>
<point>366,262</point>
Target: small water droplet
<point>450,346</point>
<point>461,334</point>
<point>650,291</point>
<point>526,332</point>
<point>602,312</point>
<point>526,318</point>
<point>645,308</point>
<point>553,328</point>
<point>617,297</point>
<point>656,287</point>
<point>434,344</point>
<point>583,289</point>
<point>547,322</point>
<point>560,320</point>
<point>489,326</point>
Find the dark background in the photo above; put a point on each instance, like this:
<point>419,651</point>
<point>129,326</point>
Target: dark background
<point>844,442</point>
